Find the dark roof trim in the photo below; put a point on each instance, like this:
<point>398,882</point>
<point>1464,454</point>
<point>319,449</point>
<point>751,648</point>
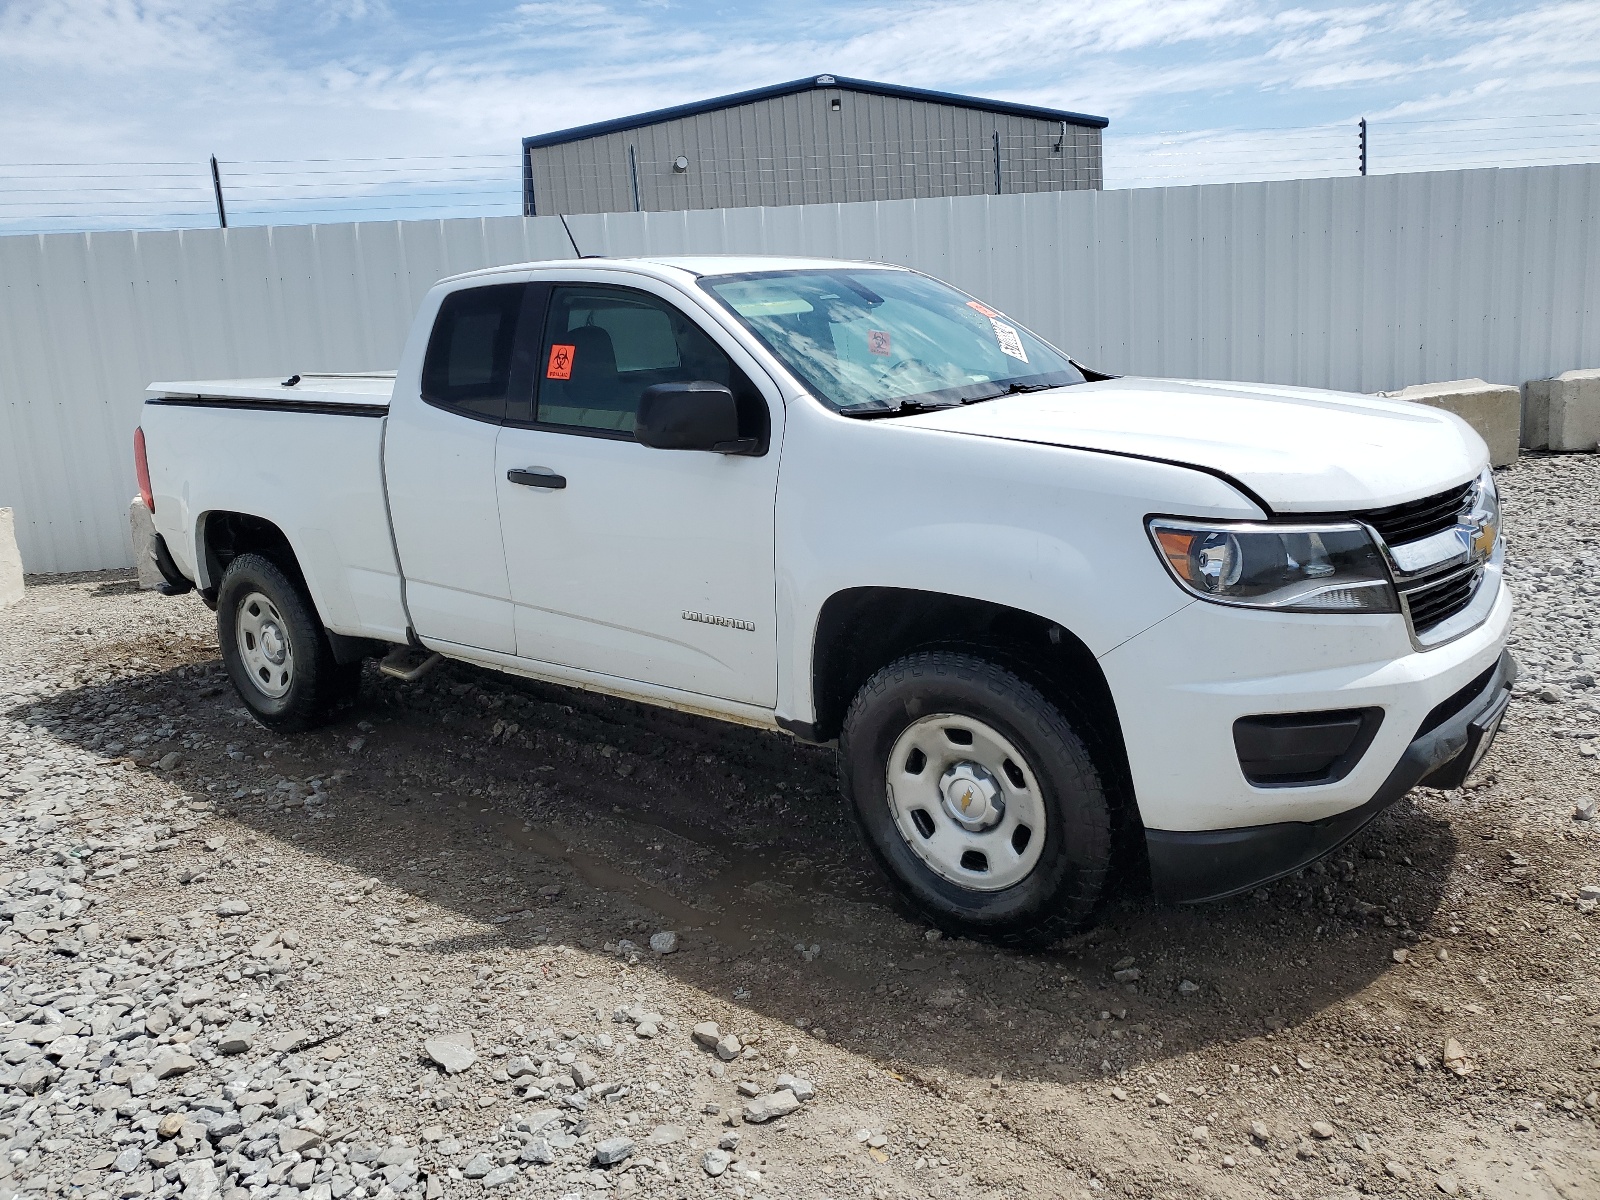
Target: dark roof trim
<point>639,120</point>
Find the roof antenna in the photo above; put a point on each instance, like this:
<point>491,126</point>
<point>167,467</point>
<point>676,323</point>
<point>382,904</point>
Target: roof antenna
<point>574,240</point>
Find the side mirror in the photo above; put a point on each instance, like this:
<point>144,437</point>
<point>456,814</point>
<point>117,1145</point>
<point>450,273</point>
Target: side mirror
<point>690,416</point>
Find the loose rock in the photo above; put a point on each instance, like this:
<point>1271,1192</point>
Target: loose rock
<point>803,1089</point>
<point>236,1039</point>
<point>173,1063</point>
<point>291,1141</point>
<point>770,1107</point>
<point>452,1051</point>
<point>613,1150</point>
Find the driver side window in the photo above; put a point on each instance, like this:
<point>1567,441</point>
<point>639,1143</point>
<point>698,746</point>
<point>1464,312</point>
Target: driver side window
<point>603,346</point>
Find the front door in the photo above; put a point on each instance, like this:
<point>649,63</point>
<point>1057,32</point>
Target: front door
<point>641,564</point>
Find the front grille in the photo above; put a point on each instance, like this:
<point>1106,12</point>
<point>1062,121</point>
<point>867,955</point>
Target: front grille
<point>1435,603</point>
<point>1417,519</point>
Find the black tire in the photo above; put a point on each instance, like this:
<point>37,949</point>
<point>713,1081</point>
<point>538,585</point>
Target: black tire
<point>1063,888</point>
<point>316,684</point>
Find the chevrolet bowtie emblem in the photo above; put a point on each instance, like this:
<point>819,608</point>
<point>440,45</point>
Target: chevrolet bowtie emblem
<point>966,800</point>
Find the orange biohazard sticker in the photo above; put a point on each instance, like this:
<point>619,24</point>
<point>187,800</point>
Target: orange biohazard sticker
<point>560,362</point>
<point>983,308</point>
<point>878,341</point>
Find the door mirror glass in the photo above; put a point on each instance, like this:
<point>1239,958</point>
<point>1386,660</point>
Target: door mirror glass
<point>700,415</point>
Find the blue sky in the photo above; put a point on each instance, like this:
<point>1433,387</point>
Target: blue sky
<point>1250,88</point>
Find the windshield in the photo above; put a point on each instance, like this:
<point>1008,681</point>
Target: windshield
<point>871,342</point>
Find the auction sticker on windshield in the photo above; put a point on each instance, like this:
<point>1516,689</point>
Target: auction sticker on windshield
<point>1010,343</point>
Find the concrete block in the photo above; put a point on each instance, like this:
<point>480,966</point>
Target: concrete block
<point>142,531</point>
<point>10,560</point>
<point>1562,413</point>
<point>1493,409</point>
<point>1536,414</point>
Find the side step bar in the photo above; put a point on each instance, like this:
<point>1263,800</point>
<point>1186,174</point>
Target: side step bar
<point>402,663</point>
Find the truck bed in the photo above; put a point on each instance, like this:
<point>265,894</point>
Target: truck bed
<point>308,458</point>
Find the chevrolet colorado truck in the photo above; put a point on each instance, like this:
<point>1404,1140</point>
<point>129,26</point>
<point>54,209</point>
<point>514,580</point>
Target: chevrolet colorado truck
<point>1045,614</point>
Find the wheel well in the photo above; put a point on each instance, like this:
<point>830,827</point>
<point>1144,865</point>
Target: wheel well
<point>863,629</point>
<point>227,535</point>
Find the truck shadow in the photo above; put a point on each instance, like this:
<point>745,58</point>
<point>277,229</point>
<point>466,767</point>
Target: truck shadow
<point>545,816</point>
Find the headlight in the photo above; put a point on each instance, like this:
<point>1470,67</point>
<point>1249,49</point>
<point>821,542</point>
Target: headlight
<point>1484,516</point>
<point>1289,568</point>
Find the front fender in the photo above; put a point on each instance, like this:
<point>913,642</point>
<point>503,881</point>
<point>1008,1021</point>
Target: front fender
<point>1048,530</point>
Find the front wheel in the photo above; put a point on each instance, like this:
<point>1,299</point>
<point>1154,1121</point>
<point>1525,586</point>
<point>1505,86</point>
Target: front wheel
<point>977,798</point>
<point>275,649</point>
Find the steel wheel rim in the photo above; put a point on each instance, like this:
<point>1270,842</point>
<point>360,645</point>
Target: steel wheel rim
<point>264,648</point>
<point>986,846</point>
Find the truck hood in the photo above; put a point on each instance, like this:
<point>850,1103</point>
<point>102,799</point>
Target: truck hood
<point>1297,449</point>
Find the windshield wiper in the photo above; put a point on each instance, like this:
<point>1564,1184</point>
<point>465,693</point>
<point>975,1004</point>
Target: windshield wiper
<point>1012,389</point>
<point>907,407</point>
<point>904,408</point>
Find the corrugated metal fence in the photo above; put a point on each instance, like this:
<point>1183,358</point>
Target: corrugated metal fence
<point>1361,284</point>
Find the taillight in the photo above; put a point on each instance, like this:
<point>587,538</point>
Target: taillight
<point>141,468</point>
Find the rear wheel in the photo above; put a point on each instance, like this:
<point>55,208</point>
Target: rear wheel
<point>276,650</point>
<point>977,798</point>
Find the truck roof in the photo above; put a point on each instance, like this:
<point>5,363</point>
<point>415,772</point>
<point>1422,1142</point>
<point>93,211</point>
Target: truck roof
<point>374,389</point>
<point>691,264</point>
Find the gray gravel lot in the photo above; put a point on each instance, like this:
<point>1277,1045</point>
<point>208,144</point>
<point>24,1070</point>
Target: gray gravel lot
<point>411,954</point>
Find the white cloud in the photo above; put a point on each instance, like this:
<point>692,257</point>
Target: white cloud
<point>119,81</point>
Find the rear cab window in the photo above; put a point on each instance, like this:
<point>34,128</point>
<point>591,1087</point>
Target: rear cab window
<point>479,352</point>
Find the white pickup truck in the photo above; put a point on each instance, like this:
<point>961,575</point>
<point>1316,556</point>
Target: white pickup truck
<point>1035,606</point>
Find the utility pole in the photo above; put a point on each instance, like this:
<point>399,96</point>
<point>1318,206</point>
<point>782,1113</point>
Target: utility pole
<point>222,213</point>
<point>1363,145</point>
<point>997,177</point>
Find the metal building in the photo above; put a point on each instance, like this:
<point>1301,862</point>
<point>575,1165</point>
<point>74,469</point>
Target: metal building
<point>818,140</point>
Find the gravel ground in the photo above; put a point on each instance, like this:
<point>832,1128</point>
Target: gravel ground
<point>411,954</point>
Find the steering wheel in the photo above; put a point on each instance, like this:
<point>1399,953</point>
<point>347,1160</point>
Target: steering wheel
<point>907,364</point>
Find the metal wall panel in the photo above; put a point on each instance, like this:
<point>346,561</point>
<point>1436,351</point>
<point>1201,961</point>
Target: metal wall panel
<point>796,150</point>
<point>87,320</point>
<point>1361,284</point>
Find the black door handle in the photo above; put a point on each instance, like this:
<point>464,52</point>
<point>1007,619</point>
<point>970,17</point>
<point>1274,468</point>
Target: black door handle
<point>537,478</point>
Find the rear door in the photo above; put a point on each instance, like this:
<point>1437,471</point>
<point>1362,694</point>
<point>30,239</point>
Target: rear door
<point>439,459</point>
<point>642,564</point>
